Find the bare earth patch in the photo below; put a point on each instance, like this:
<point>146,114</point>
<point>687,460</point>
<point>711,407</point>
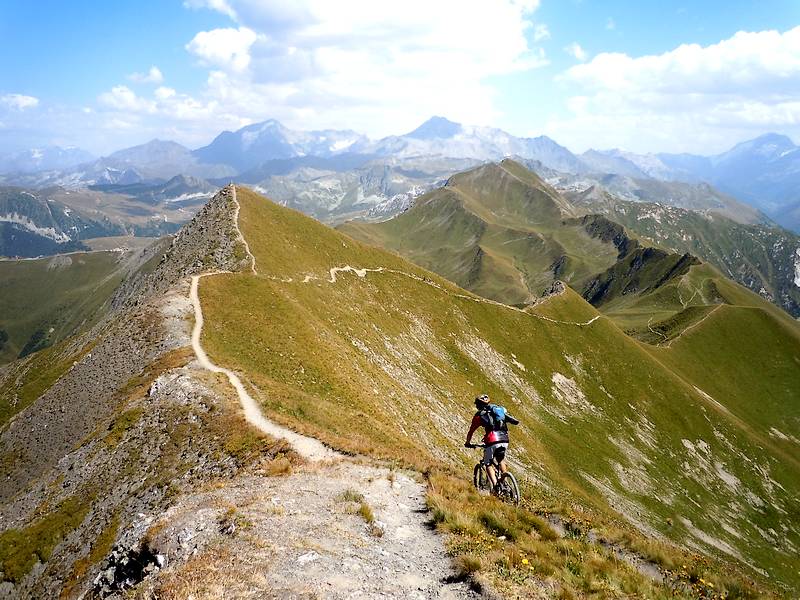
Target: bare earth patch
<point>300,537</point>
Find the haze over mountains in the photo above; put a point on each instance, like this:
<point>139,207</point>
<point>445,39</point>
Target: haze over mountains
<point>763,172</point>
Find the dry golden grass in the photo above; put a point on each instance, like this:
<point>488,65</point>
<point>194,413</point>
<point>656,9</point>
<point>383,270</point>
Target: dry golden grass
<point>215,573</point>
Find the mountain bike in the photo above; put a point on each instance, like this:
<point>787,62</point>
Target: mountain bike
<point>507,489</point>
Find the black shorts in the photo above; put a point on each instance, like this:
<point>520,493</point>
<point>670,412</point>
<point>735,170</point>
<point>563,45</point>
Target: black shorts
<point>495,451</point>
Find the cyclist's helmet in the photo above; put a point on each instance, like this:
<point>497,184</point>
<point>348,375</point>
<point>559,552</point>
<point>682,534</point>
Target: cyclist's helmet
<point>482,401</point>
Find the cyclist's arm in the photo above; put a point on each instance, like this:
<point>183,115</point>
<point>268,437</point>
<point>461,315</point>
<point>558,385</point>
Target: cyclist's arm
<point>511,419</point>
<point>476,422</point>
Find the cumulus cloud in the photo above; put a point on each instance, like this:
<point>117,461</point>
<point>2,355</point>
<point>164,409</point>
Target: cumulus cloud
<point>154,75</point>
<point>540,32</point>
<point>19,101</point>
<point>716,95</point>
<point>226,48</point>
<point>122,98</point>
<point>574,49</point>
<point>314,63</point>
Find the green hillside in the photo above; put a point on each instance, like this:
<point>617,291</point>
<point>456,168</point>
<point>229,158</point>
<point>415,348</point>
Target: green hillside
<point>385,362</point>
<point>501,232</point>
<point>498,231</point>
<point>47,299</point>
<point>760,257</point>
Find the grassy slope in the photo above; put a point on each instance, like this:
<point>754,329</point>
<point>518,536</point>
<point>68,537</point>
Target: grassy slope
<point>496,230</point>
<point>53,293</point>
<point>756,256</point>
<point>746,355</point>
<point>386,365</point>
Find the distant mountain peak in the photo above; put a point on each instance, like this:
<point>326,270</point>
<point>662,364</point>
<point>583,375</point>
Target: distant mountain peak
<point>773,138</point>
<point>436,128</point>
<point>768,145</point>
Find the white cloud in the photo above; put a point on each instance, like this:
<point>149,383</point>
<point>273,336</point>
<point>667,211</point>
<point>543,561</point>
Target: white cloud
<point>715,95</point>
<point>19,101</point>
<point>540,32</point>
<point>314,63</point>
<point>379,69</point>
<point>122,98</point>
<point>226,48</point>
<point>574,49</point>
<point>610,24</point>
<point>218,5</point>
<point>164,93</point>
<point>154,75</point>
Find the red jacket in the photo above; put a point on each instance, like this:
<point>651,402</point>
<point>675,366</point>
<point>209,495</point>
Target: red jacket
<point>489,437</point>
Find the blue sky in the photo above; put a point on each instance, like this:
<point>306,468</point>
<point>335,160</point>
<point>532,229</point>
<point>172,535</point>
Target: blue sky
<point>647,76</point>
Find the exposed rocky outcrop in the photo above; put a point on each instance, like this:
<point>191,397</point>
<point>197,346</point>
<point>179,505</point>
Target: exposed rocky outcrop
<point>209,242</point>
<point>643,270</point>
<point>126,425</point>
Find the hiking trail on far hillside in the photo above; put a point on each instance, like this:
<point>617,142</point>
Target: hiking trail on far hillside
<point>362,273</point>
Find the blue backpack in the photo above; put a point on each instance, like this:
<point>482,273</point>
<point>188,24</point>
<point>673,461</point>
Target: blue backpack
<point>494,416</point>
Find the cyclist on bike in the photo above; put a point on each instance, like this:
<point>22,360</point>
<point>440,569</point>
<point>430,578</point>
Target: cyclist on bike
<point>495,435</point>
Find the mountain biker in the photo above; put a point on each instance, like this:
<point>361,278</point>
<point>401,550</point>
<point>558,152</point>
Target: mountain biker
<point>495,437</point>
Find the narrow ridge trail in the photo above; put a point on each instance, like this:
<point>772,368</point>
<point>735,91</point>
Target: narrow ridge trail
<point>337,555</point>
<point>669,343</point>
<point>362,273</point>
<point>239,231</point>
<point>307,447</point>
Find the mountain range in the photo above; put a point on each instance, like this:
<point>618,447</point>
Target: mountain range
<point>504,232</point>
<point>763,172</point>
<point>340,175</point>
<point>49,158</point>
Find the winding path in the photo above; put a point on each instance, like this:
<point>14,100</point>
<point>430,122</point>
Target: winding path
<point>692,326</point>
<point>307,447</point>
<point>239,231</point>
<point>407,559</point>
<point>363,273</point>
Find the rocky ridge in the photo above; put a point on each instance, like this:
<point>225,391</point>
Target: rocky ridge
<point>126,424</point>
<point>135,425</point>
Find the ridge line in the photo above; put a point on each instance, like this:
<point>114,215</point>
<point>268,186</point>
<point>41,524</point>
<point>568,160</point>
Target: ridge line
<point>236,211</point>
<point>362,273</point>
<point>307,447</point>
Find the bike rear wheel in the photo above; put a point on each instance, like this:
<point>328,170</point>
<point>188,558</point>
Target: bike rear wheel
<point>508,488</point>
<point>479,478</point>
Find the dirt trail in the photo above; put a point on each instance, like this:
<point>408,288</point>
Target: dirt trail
<point>307,447</point>
<point>239,231</point>
<point>692,326</point>
<point>304,540</point>
<point>362,273</point>
<point>299,537</point>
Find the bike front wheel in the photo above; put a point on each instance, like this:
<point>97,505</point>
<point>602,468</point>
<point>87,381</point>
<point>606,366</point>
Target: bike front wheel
<point>479,478</point>
<point>508,488</point>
